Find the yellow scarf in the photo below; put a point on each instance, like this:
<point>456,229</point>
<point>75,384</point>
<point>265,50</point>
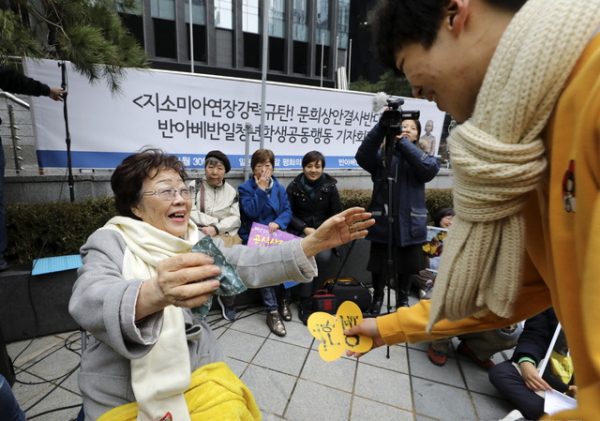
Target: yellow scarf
<point>215,393</point>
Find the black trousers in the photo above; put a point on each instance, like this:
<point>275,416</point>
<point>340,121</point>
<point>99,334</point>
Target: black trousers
<point>507,379</point>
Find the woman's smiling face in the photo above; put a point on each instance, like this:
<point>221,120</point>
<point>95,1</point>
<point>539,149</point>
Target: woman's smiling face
<point>171,215</point>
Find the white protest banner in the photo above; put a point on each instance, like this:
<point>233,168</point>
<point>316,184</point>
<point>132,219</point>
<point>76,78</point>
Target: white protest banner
<point>190,114</point>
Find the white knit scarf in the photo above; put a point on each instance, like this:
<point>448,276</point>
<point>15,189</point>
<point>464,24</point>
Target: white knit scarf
<point>498,157</point>
<point>160,377</point>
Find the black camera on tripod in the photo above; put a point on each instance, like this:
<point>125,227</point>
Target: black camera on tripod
<point>392,119</point>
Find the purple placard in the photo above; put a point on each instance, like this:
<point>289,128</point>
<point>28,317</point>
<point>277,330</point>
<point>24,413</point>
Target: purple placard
<point>260,237</point>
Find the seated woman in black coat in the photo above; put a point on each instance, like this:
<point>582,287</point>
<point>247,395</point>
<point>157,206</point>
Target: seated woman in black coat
<point>314,198</point>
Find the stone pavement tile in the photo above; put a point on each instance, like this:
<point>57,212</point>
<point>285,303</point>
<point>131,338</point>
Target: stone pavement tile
<point>312,401</point>
<point>23,351</point>
<point>440,401</point>
<point>297,334</point>
<point>31,392</point>
<point>338,374</point>
<point>237,366</point>
<point>239,345</point>
<point>398,360</point>
<point>423,418</point>
<point>490,408</point>
<point>281,357</point>
<point>271,417</point>
<point>477,378</point>
<point>53,364</point>
<point>271,389</point>
<point>385,386</point>
<point>365,410</point>
<point>253,322</point>
<point>420,366</point>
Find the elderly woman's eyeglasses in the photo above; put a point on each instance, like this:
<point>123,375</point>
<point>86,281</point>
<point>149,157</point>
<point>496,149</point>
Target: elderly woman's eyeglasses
<point>169,193</point>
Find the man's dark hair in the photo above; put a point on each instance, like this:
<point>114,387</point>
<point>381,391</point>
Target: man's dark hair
<point>396,23</point>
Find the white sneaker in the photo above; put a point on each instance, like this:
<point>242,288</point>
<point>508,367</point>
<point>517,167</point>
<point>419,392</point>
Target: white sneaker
<point>514,415</point>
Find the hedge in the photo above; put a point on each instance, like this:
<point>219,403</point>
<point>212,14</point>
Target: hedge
<point>37,230</point>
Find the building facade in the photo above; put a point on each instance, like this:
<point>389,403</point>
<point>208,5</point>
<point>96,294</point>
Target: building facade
<point>308,40</point>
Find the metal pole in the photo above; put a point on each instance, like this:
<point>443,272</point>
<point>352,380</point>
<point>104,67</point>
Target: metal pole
<point>335,60</point>
<point>15,138</point>
<point>191,39</point>
<point>349,60</point>
<point>247,153</point>
<point>322,56</point>
<point>265,52</point>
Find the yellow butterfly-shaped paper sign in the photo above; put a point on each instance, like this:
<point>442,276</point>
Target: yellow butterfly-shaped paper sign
<point>330,329</point>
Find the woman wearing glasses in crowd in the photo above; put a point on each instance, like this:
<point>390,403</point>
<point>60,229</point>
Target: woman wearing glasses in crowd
<point>147,356</point>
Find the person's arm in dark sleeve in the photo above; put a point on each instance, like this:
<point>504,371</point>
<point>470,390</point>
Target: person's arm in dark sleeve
<point>14,82</point>
<point>367,153</point>
<point>424,166</point>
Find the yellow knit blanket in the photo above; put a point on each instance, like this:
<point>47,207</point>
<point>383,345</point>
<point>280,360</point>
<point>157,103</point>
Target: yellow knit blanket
<point>215,394</point>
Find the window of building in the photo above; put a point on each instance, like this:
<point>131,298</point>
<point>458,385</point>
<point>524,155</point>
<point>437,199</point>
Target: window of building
<point>224,14</point>
<point>163,19</point>
<point>250,16</point>
<point>301,57</point>
<point>322,24</point>
<point>252,50</point>
<point>343,23</point>
<point>198,12</point>
<point>277,18</point>
<point>300,29</point>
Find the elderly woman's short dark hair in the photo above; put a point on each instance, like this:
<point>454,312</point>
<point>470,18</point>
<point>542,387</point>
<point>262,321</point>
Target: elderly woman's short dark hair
<point>128,179</point>
<point>262,155</point>
<point>313,156</point>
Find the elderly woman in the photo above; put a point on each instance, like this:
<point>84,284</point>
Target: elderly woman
<point>148,358</point>
<point>264,200</point>
<point>216,211</point>
<point>314,198</point>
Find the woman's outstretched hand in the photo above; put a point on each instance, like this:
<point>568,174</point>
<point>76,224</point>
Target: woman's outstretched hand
<point>337,230</point>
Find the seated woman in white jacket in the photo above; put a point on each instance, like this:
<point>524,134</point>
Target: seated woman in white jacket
<point>216,211</point>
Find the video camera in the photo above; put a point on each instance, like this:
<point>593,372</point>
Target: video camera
<point>392,119</point>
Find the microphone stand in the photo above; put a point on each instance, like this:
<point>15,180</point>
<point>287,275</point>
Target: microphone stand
<point>63,85</point>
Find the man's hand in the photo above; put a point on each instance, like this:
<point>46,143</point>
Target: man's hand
<point>368,328</point>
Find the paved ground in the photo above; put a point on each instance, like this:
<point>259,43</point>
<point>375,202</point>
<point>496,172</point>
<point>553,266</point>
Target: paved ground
<point>288,378</point>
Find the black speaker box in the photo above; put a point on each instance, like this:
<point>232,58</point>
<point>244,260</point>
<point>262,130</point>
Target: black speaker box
<point>34,306</point>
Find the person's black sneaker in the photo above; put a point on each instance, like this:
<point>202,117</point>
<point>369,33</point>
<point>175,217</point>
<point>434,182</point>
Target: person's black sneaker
<point>3,265</point>
<point>304,313</point>
<point>229,313</point>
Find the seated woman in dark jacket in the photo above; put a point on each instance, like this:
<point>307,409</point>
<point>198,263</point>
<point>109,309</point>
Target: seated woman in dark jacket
<point>314,198</point>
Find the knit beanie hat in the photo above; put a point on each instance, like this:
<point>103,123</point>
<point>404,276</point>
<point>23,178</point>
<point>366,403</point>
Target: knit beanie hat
<point>221,157</point>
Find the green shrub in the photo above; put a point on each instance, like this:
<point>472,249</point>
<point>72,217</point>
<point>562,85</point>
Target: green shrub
<point>37,230</point>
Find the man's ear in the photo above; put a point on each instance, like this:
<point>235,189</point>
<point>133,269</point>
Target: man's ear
<point>456,15</point>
